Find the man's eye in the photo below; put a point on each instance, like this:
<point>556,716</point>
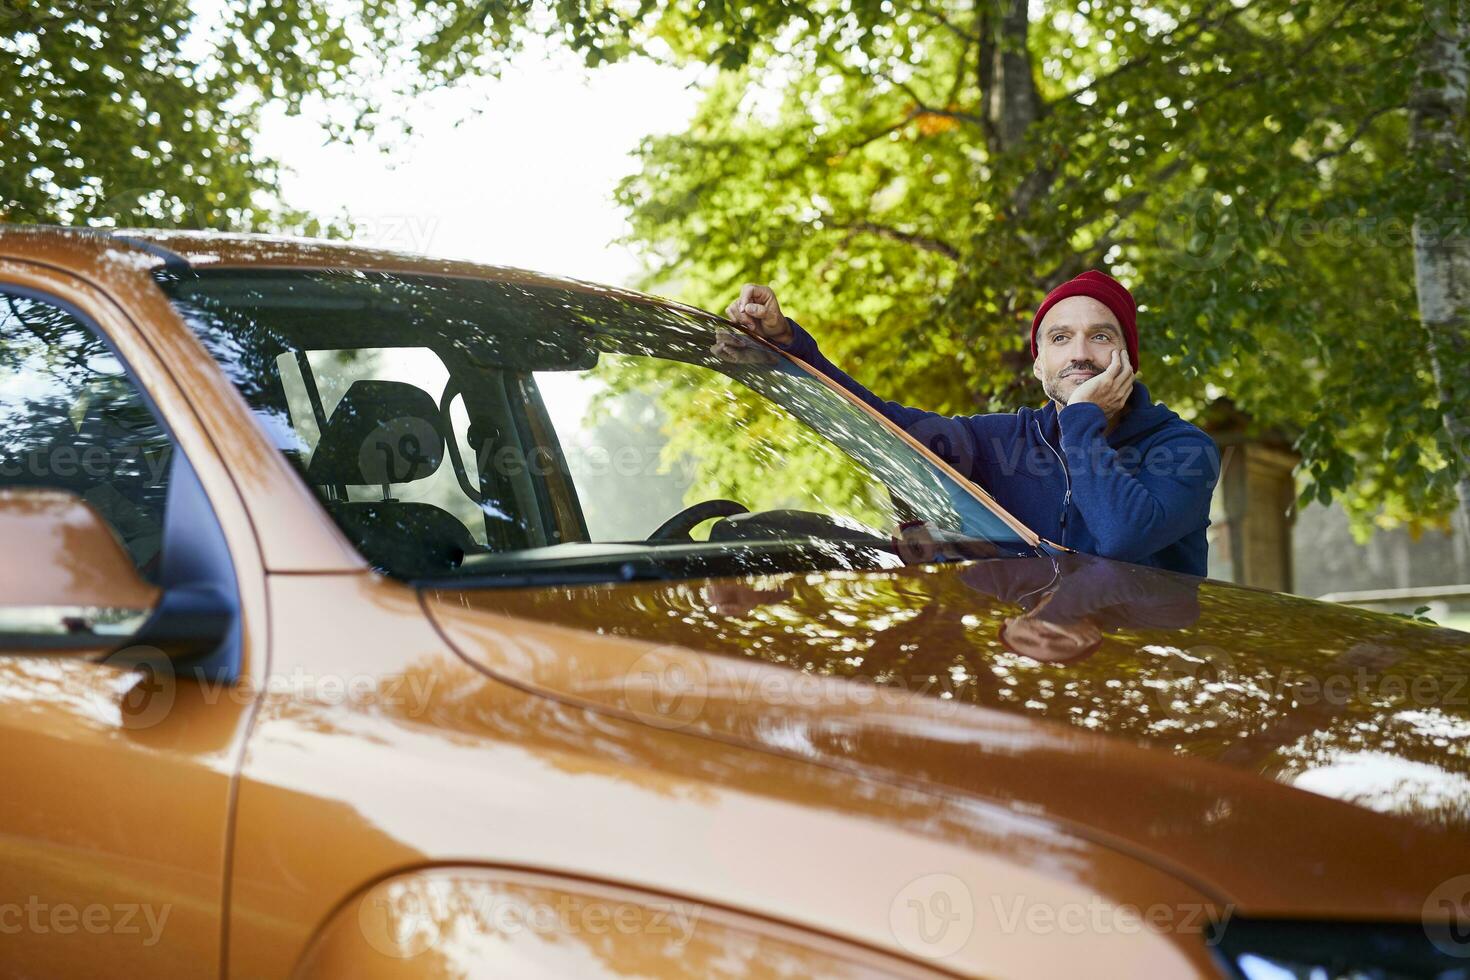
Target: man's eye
<point>1103,337</point>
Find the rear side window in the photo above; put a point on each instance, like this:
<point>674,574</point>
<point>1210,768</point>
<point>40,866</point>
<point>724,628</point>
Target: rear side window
<point>71,419</point>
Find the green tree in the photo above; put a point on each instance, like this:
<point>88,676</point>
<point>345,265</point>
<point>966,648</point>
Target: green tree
<point>133,112</point>
<point>913,186</point>
<point>913,174</point>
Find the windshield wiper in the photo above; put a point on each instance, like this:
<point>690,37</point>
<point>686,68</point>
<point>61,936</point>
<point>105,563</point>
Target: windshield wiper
<point>551,575</point>
<point>590,562</point>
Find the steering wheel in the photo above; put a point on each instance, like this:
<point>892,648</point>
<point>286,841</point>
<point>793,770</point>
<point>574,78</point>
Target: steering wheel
<point>679,526</point>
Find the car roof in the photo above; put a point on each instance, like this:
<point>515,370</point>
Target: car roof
<point>103,254</point>
<point>120,260</point>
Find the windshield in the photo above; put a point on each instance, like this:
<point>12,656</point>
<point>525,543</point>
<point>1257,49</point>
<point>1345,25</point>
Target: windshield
<point>498,433</point>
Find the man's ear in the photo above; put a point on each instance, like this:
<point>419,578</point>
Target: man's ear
<point>1036,367</point>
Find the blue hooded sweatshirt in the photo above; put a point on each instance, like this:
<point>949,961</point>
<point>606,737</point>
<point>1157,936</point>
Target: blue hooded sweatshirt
<point>1140,493</point>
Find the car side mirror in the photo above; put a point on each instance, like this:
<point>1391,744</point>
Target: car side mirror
<point>68,588</point>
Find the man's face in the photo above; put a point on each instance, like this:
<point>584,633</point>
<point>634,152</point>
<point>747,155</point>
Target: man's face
<point>1051,642</point>
<point>1075,341</point>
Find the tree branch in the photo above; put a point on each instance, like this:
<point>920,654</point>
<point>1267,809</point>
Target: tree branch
<point>922,107</point>
<point>923,242</point>
<point>1362,128</point>
<point>967,37</point>
<point>1357,134</point>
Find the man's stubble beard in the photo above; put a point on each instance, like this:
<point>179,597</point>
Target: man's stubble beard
<point>1053,386</point>
<point>1053,389</point>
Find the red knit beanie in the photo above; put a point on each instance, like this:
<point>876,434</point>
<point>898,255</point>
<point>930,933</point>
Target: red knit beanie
<point>1107,291</point>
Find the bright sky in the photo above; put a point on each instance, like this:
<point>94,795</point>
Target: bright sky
<point>527,182</point>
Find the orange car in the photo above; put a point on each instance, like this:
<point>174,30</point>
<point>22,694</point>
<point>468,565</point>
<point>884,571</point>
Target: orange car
<point>375,616</point>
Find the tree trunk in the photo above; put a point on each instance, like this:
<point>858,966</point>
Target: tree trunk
<point>1012,100</point>
<point>1011,103</point>
<point>1441,244</point>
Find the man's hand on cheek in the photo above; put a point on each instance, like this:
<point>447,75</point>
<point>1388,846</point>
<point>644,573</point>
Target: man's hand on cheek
<point>1110,390</point>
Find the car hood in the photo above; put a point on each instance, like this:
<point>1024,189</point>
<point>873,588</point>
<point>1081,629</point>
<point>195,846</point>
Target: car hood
<point>1291,757</point>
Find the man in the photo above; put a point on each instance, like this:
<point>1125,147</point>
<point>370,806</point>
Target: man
<point>1100,469</point>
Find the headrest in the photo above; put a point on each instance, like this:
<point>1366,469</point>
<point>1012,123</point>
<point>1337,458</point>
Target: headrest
<point>380,432</point>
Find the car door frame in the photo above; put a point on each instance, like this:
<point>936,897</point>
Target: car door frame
<point>202,729</point>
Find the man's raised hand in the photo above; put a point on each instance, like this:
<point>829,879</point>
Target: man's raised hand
<point>758,310</point>
<point>1110,389</point>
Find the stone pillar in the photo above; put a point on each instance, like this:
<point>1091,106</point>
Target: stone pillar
<point>1254,508</point>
